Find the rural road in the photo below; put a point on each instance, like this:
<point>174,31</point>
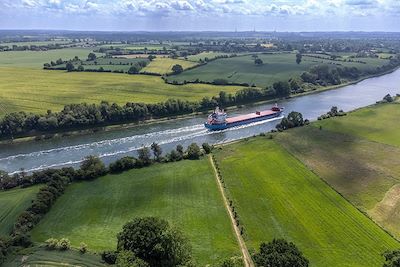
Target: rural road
<point>248,262</point>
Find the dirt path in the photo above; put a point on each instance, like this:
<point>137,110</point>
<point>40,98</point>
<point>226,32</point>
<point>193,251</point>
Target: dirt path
<point>248,262</point>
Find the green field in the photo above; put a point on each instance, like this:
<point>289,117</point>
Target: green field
<point>37,43</point>
<point>36,59</point>
<point>164,65</point>
<point>42,257</point>
<point>276,67</point>
<point>376,123</point>
<point>32,90</point>
<point>276,196</point>
<point>184,193</point>
<point>12,204</point>
<point>359,156</point>
<point>203,55</point>
<point>112,64</point>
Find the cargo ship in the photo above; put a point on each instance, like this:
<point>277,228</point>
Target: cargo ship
<point>219,120</point>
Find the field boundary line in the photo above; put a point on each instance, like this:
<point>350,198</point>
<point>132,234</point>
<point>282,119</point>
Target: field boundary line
<point>248,262</point>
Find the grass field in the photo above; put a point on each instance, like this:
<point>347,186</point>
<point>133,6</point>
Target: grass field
<point>37,43</point>
<point>36,59</point>
<point>276,196</point>
<point>184,193</point>
<point>376,123</point>
<point>359,156</point>
<point>38,90</point>
<point>203,55</point>
<point>12,204</point>
<point>42,257</point>
<point>112,64</point>
<point>276,67</point>
<point>164,65</point>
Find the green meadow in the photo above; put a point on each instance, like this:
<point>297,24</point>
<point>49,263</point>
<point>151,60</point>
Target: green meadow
<point>12,204</point>
<point>41,257</point>
<point>164,65</point>
<point>376,123</point>
<point>36,59</point>
<point>276,196</point>
<point>276,67</point>
<point>36,90</point>
<point>184,193</point>
<point>359,156</point>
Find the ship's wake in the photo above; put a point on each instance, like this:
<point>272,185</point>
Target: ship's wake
<point>73,155</point>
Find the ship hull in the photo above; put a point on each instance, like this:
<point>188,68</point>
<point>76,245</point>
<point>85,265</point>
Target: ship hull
<point>223,126</point>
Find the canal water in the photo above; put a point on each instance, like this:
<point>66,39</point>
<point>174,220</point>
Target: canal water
<point>111,145</point>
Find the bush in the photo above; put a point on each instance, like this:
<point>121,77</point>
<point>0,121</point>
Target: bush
<point>207,148</point>
<point>83,248</point>
<point>109,257</point>
<point>64,244</point>
<point>51,243</point>
<point>122,164</point>
<point>193,151</point>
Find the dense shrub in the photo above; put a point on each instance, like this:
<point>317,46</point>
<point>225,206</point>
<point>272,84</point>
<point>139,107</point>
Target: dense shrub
<point>92,167</point>
<point>294,119</point>
<point>64,244</point>
<point>122,164</point>
<point>109,257</point>
<point>83,248</point>
<point>392,258</point>
<point>51,243</point>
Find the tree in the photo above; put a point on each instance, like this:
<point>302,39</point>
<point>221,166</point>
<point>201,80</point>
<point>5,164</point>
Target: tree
<point>154,241</point>
<point>193,151</point>
<point>176,69</point>
<point>282,89</point>
<point>126,258</point>
<point>133,70</point>
<point>70,67</point>
<point>92,167</point>
<point>80,68</point>
<point>3,251</point>
<point>280,253</point>
<point>179,149</point>
<point>51,243</point>
<point>294,86</point>
<point>298,58</point>
<point>392,258</point>
<point>157,151</point>
<point>258,61</point>
<point>207,148</point>
<point>92,56</point>
<point>144,155</point>
<point>64,244</point>
<point>151,57</point>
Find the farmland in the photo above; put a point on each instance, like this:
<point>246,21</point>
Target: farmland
<point>278,197</point>
<point>36,90</point>
<point>164,65</point>
<point>275,67</point>
<point>350,155</point>
<point>12,203</point>
<point>36,59</point>
<point>185,193</point>
<point>43,257</point>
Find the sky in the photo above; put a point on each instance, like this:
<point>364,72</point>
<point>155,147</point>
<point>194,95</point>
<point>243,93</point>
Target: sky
<point>202,15</point>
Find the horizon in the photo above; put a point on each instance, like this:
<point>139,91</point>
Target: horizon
<point>202,15</point>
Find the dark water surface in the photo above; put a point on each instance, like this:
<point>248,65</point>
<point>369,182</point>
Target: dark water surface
<point>69,151</point>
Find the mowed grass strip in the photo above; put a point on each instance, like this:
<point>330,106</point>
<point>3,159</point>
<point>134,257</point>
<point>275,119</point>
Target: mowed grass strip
<point>163,65</point>
<point>276,196</point>
<point>38,90</point>
<point>12,204</point>
<point>184,193</point>
<point>36,59</point>
<point>377,123</point>
<point>42,257</point>
<point>276,67</point>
